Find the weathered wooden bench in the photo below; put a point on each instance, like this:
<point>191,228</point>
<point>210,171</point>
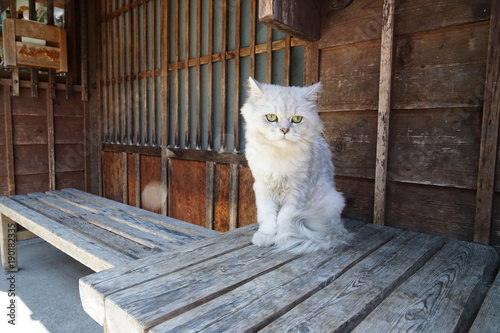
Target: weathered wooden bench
<point>98,232</point>
<point>382,280</point>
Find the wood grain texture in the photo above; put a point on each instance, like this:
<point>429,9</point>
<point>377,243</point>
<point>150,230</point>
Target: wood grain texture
<point>187,191</point>
<point>342,305</point>
<point>247,210</point>
<point>112,172</point>
<point>487,320</point>
<point>221,197</point>
<point>384,111</point>
<point>489,132</point>
<point>441,297</point>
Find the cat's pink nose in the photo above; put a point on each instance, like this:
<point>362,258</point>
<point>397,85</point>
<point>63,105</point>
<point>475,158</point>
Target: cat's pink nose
<point>284,130</point>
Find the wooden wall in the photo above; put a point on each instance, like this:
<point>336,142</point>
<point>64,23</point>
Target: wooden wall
<point>44,118</point>
<point>42,140</point>
<point>434,102</point>
<point>438,81</point>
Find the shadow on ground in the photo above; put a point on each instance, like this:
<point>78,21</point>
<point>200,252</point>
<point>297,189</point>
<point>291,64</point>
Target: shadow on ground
<point>46,288</point>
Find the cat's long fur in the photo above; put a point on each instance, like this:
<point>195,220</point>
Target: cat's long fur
<point>298,207</point>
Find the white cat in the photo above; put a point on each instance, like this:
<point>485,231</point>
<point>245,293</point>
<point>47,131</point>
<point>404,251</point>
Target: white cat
<point>298,207</point>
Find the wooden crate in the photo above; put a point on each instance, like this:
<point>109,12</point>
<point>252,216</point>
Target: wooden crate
<point>53,55</point>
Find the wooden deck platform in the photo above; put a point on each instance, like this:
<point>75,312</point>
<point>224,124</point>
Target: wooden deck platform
<point>381,280</point>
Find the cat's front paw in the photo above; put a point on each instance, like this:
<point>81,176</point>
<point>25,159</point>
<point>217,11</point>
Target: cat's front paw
<point>262,239</point>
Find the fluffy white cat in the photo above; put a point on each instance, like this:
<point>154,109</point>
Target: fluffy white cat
<point>298,207</point>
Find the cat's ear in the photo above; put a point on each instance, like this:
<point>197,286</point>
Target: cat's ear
<point>314,91</point>
<point>254,87</point>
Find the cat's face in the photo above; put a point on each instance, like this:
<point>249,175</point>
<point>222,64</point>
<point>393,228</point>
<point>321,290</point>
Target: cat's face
<point>281,116</point>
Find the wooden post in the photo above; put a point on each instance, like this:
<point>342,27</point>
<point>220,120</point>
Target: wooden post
<point>489,133</point>
<point>384,110</point>
<point>9,142</point>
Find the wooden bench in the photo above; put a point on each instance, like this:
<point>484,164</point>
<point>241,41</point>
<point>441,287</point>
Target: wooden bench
<point>98,232</point>
<point>382,280</point>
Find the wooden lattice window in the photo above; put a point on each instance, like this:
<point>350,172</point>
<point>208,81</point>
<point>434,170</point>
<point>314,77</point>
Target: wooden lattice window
<point>197,55</point>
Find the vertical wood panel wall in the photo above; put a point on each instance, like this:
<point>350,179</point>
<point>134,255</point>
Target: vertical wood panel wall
<point>173,78</point>
<point>44,122</point>
<point>438,89</point>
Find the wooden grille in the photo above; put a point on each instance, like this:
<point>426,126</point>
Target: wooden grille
<point>180,67</point>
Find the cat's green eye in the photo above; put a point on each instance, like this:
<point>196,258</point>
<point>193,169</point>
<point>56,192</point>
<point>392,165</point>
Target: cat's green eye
<point>296,119</point>
<point>271,117</point>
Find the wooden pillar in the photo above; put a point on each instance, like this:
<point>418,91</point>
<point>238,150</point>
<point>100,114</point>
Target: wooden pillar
<point>384,111</point>
<point>489,133</point>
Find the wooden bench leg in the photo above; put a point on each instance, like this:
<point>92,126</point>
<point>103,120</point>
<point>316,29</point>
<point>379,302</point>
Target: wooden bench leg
<point>8,246</point>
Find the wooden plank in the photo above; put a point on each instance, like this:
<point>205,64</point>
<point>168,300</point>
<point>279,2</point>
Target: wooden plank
<point>233,195</point>
<point>9,142</point>
<point>264,298</point>
<point>164,93</point>
<point>247,211</point>
<point>443,296</point>
<point>342,305</point>
<point>50,142</point>
<point>112,175</point>
<point>96,287</point>
<point>448,212</point>
<point>176,292</point>
<point>77,246</point>
<point>160,219</point>
<point>487,320</point>
<point>99,235</point>
<point>140,230</point>
<point>209,201</point>
<point>151,176</point>
<point>221,197</point>
<point>84,44</point>
<point>489,132</point>
<point>384,111</point>
<point>187,191</point>
<point>186,93</point>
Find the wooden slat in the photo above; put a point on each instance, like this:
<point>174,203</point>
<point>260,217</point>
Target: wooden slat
<point>443,296</point>
<point>79,247</point>
<point>105,75</point>
<point>186,93</point>
<point>198,74</point>
<point>129,227</point>
<point>233,195</point>
<point>84,44</point>
<point>489,132</point>
<point>210,145</point>
<point>144,51</point>
<point>99,235</point>
<point>9,142</point>
<point>487,320</point>
<point>164,92</point>
<point>209,201</point>
<point>136,69</point>
<point>51,141</point>
<point>237,88</point>
<point>223,102</point>
<point>33,71</point>
<point>340,305</point>
<point>94,288</point>
<point>176,94</point>
<point>223,275</point>
<point>384,111</point>
<point>164,220</point>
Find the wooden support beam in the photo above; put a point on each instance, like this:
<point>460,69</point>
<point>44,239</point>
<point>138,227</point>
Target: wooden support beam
<point>9,142</point>
<point>384,111</point>
<point>164,89</point>
<point>51,141</point>
<point>489,132</point>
